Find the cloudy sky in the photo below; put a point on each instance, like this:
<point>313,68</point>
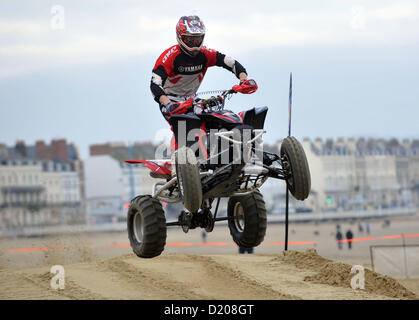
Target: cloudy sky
<point>80,69</point>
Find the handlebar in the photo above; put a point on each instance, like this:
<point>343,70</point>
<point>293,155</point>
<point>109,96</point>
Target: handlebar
<point>214,102</point>
<point>245,87</point>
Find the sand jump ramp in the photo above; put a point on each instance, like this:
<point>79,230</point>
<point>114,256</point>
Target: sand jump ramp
<point>290,275</point>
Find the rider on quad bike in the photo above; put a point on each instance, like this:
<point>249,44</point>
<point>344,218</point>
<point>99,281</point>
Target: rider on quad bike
<point>179,70</point>
<point>216,153</point>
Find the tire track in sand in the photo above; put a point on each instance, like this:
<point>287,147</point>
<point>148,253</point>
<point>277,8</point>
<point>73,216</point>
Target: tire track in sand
<point>31,284</point>
<point>211,279</point>
<point>71,291</point>
<point>148,282</point>
<point>14,285</point>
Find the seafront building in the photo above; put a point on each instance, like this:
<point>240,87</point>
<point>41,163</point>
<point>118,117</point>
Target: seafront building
<point>40,185</point>
<point>363,174</point>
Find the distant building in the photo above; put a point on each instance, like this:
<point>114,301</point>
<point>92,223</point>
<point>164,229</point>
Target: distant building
<point>38,193</point>
<point>362,174</point>
<point>40,185</point>
<point>111,185</point>
<point>122,152</point>
<point>413,168</point>
<point>58,150</point>
<point>100,149</point>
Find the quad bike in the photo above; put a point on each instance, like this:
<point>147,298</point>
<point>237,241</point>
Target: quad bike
<point>224,159</point>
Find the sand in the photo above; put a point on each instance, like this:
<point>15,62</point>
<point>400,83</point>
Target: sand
<point>339,274</point>
<point>291,275</point>
<point>97,266</point>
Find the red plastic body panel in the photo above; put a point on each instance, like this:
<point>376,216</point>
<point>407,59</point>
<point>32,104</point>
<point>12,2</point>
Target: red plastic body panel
<point>158,166</point>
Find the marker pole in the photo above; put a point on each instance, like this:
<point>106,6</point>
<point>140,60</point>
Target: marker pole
<point>287,191</point>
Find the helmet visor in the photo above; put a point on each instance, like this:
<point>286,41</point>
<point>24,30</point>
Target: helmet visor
<point>193,41</point>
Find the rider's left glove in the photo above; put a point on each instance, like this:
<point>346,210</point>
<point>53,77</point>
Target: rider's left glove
<point>247,86</point>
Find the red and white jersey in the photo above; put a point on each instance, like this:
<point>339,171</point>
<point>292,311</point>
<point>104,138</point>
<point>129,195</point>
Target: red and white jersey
<point>179,75</point>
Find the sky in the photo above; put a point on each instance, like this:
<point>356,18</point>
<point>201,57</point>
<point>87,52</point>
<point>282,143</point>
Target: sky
<point>81,69</point>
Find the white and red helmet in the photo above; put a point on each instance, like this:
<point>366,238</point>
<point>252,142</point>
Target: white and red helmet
<point>190,33</point>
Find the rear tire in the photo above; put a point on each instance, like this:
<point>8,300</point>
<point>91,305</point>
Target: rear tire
<point>146,224</point>
<point>189,181</point>
<point>248,219</point>
<point>293,153</point>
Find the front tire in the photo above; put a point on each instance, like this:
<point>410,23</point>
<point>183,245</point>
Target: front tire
<point>146,225</point>
<point>189,181</point>
<point>247,221</point>
<point>293,155</point>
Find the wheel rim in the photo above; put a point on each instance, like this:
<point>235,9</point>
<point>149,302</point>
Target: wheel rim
<point>179,178</point>
<point>238,215</point>
<point>290,180</point>
<point>138,227</point>
<point>180,184</point>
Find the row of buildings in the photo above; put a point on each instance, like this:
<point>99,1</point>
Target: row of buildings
<point>361,174</point>
<point>40,185</point>
<point>48,184</point>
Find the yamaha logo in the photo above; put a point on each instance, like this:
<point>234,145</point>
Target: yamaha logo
<point>190,69</point>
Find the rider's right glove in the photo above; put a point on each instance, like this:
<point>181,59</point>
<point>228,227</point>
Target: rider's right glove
<point>178,107</point>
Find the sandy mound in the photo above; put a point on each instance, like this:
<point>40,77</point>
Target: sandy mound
<point>292,275</point>
<point>339,274</point>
